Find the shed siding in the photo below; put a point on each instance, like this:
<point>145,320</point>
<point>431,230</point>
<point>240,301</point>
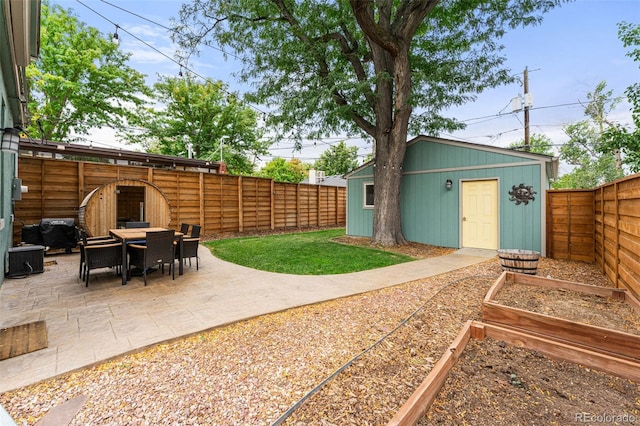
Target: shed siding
<point>431,213</point>
<point>428,155</point>
<point>521,224</point>
<point>359,219</point>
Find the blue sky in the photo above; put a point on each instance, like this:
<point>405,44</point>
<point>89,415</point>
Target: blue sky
<point>574,48</point>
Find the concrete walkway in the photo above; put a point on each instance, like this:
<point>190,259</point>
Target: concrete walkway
<point>90,325</point>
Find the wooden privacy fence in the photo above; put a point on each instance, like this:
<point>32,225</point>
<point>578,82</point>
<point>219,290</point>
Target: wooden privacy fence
<point>601,226</point>
<point>219,203</point>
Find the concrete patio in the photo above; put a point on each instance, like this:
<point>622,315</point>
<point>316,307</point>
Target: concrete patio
<point>86,326</point>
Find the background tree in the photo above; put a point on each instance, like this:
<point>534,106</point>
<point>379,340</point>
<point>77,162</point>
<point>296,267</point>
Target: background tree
<point>377,68</point>
<point>590,168</point>
<point>281,170</point>
<point>201,117</point>
<point>538,144</point>
<point>340,159</point>
<point>80,80</point>
<point>594,162</point>
<point>619,137</point>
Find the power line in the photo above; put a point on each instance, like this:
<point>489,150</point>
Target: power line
<point>501,114</point>
<point>164,54</point>
<point>173,30</point>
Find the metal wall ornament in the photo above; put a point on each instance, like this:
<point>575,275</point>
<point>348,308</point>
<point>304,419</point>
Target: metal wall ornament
<point>522,194</point>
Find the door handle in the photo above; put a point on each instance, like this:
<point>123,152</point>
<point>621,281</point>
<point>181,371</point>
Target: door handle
<point>464,219</point>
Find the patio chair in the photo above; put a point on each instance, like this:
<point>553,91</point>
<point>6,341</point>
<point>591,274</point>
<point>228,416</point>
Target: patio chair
<point>84,241</point>
<point>158,250</point>
<point>184,228</point>
<point>101,256</point>
<point>195,231</point>
<point>189,250</point>
<point>130,225</point>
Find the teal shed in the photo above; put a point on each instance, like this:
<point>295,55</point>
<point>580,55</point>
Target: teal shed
<point>459,194</point>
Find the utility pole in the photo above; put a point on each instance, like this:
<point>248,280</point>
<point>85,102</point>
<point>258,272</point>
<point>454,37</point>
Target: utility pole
<point>527,105</point>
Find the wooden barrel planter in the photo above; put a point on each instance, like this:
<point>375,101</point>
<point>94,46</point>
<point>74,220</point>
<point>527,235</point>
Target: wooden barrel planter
<point>123,200</point>
<point>522,261</point>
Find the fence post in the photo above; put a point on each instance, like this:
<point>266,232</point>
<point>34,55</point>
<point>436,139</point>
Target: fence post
<point>201,203</point>
<point>80,183</point>
<point>240,206</point>
<point>617,241</point>
<point>273,215</point>
<point>318,194</point>
<point>298,206</point>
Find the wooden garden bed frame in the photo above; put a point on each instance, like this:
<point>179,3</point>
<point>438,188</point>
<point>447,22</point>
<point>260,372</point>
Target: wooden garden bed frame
<point>600,348</point>
<point>591,337</point>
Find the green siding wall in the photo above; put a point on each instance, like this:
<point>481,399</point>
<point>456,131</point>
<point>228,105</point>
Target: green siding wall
<point>431,213</point>
<point>426,155</point>
<point>7,162</point>
<point>359,219</point>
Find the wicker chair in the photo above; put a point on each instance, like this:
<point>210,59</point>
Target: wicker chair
<point>189,250</point>
<point>85,241</point>
<point>101,256</point>
<point>195,231</point>
<point>160,249</point>
<point>130,225</point>
<point>184,228</point>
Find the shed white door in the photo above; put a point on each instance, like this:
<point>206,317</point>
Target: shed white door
<point>480,214</point>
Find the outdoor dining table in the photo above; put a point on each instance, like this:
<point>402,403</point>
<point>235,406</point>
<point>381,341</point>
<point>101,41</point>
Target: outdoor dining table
<point>138,234</point>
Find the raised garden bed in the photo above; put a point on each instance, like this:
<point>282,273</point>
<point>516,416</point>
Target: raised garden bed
<point>605,349</point>
<point>572,331</point>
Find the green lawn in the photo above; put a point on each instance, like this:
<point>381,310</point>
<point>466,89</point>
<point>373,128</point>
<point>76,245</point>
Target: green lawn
<point>305,253</point>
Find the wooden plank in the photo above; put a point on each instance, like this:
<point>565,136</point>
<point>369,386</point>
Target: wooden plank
<point>420,401</point>
<point>633,300</point>
<point>594,338</point>
<point>497,285</point>
<point>22,339</point>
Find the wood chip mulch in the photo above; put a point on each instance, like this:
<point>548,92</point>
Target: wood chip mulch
<point>380,345</point>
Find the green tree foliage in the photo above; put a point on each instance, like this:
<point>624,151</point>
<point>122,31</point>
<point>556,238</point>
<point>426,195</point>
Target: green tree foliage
<point>538,144</point>
<point>590,168</point>
<point>619,137</point>
<point>594,163</point>
<point>340,159</point>
<point>80,80</point>
<point>204,117</point>
<point>281,170</point>
<point>378,68</point>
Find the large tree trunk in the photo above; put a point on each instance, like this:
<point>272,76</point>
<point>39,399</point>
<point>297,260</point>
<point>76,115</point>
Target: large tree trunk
<point>389,38</point>
<point>391,145</point>
<point>387,180</point>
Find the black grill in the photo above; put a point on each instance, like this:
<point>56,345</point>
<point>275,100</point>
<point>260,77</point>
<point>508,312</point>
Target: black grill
<point>54,233</point>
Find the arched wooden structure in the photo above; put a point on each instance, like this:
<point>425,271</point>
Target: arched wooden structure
<point>114,203</point>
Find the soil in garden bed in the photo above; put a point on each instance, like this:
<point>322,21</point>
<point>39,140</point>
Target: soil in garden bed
<point>494,383</point>
<point>571,305</point>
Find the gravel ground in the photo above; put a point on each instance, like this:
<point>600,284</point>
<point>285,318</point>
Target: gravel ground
<point>380,346</point>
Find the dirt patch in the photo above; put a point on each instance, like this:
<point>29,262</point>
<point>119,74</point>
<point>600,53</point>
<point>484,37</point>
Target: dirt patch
<point>495,383</point>
<point>571,305</point>
<point>415,250</point>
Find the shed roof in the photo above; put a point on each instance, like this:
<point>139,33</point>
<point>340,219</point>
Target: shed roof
<point>552,161</point>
